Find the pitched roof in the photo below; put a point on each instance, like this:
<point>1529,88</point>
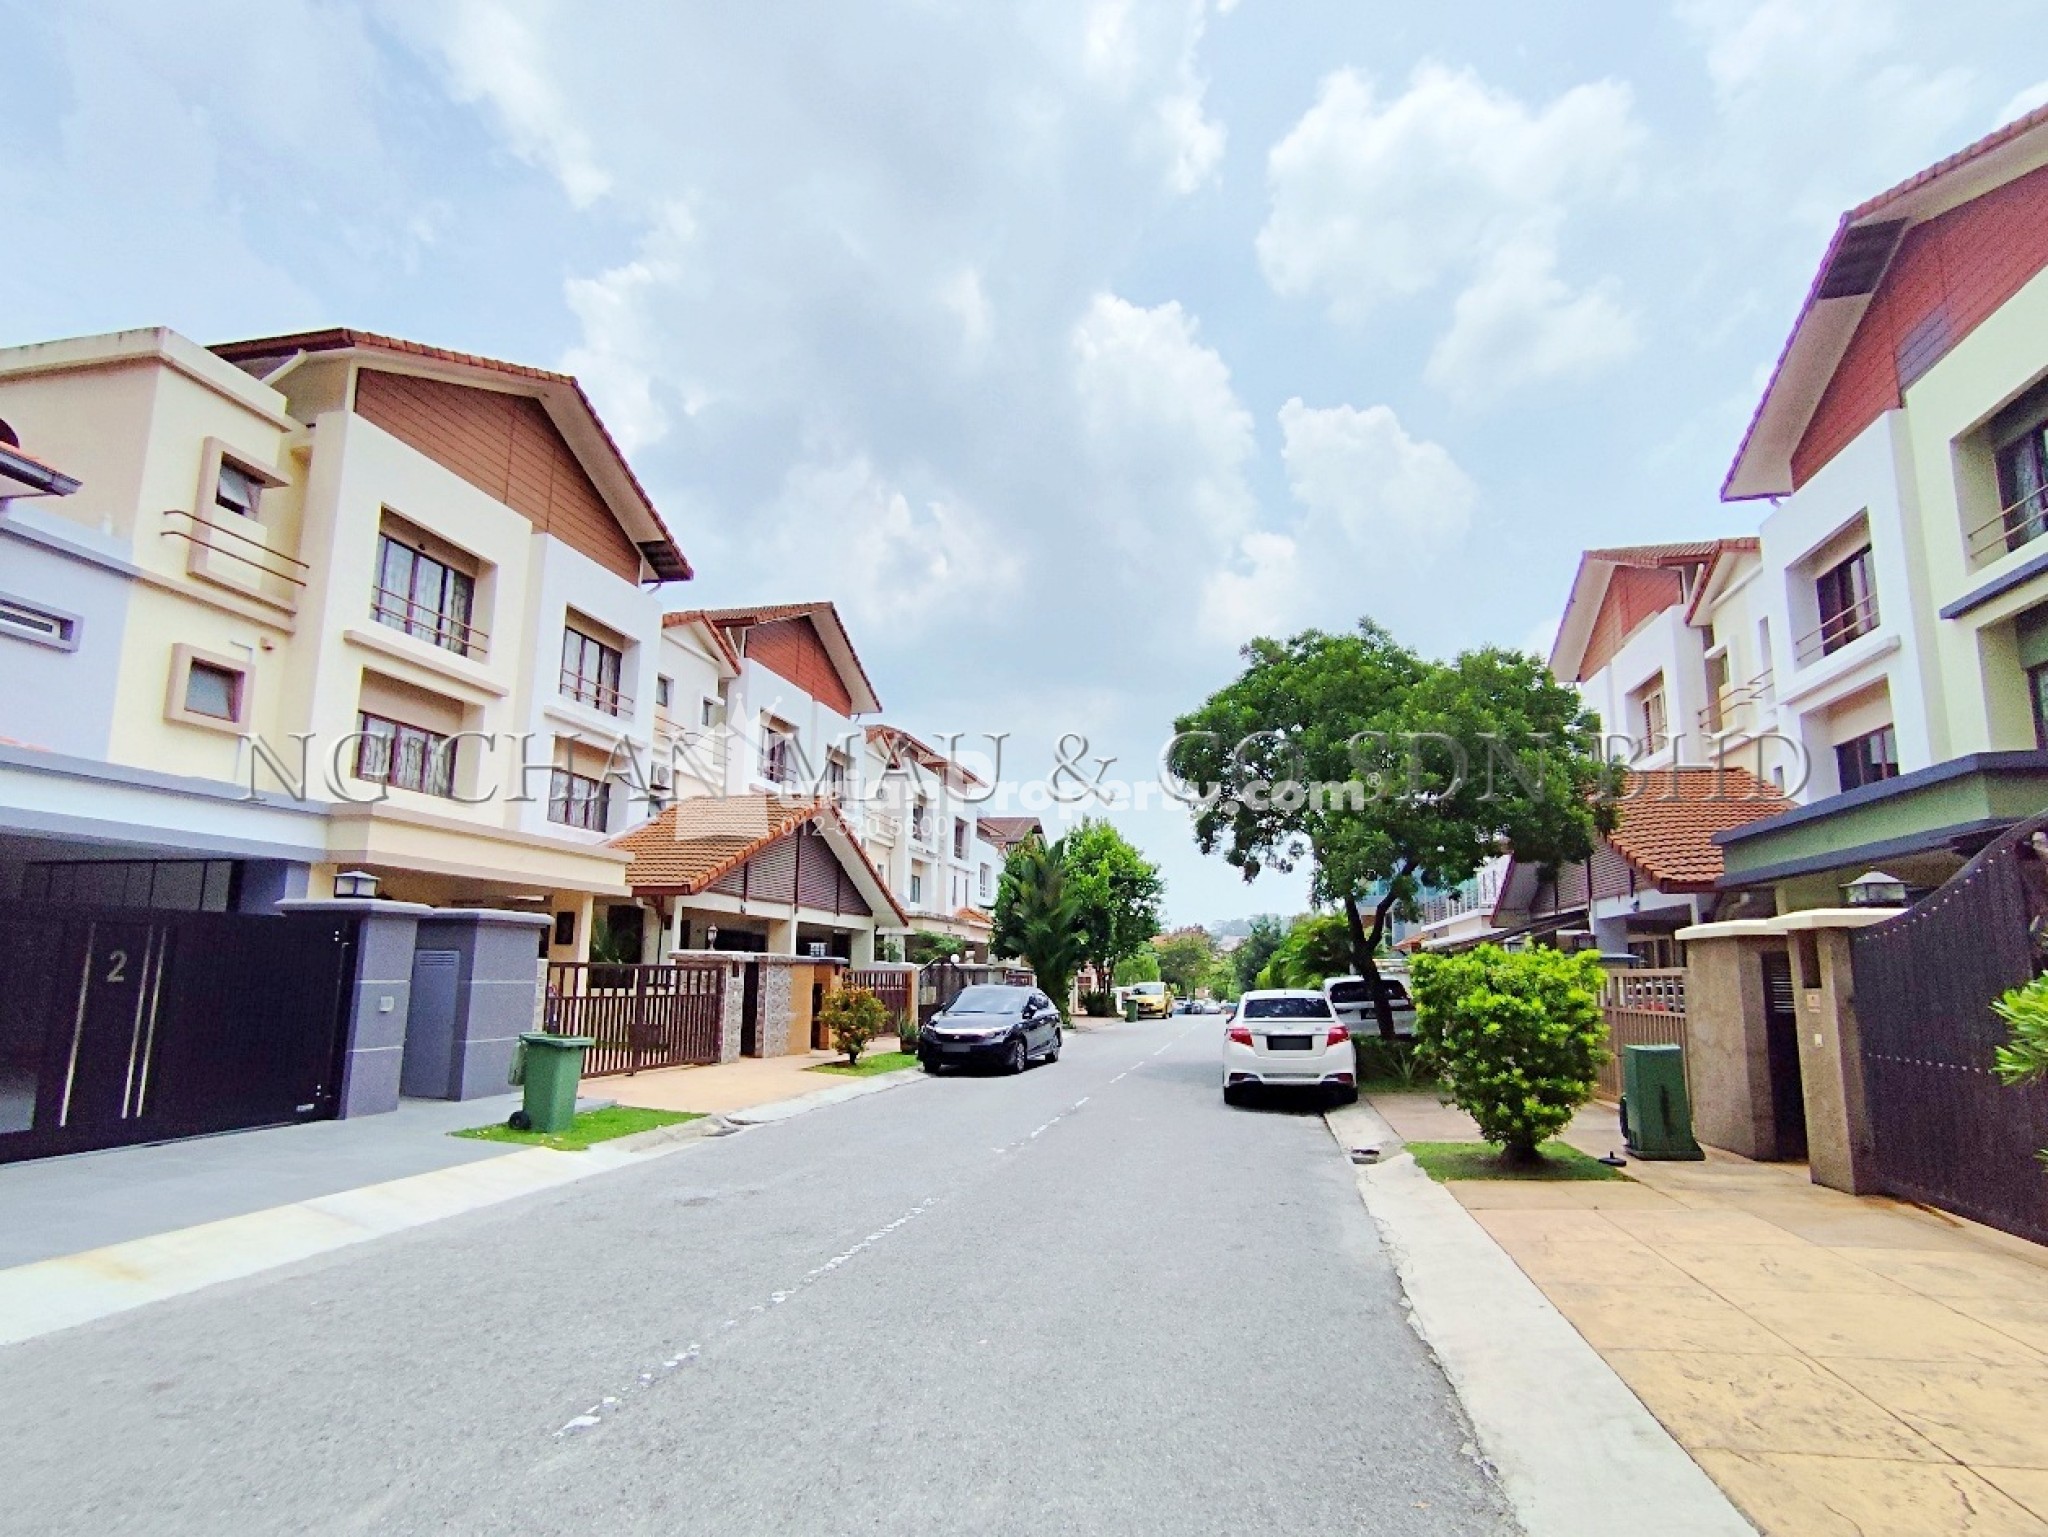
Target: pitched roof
<point>25,475</point>
<point>1596,567</point>
<point>662,553</point>
<point>699,840</point>
<point>1007,832</point>
<point>896,739</point>
<point>1668,818</point>
<point>1851,269</point>
<point>822,612</point>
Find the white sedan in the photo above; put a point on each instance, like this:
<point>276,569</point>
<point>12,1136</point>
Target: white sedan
<point>1288,1038</point>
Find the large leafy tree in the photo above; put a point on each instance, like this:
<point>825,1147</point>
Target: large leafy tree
<point>1038,916</point>
<point>1118,890</point>
<point>1453,762</point>
<point>1250,958</point>
<point>1317,945</point>
<point>1187,959</point>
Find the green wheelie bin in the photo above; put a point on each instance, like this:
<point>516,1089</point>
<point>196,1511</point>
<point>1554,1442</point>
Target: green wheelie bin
<point>553,1067</point>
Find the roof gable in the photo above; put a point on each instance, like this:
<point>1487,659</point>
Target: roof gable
<point>1906,277</point>
<point>805,643</point>
<point>706,843</point>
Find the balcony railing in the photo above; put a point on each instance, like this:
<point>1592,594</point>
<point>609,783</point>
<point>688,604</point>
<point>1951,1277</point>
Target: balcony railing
<point>1730,710</point>
<point>400,611</point>
<point>2020,524</point>
<point>232,544</point>
<point>599,696</point>
<point>1837,630</point>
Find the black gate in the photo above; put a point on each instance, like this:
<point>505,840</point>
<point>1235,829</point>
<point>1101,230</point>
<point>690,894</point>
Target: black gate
<point>1945,1130</point>
<point>122,1025</point>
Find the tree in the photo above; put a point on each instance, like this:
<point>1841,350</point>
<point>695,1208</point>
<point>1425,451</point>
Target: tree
<point>1133,969</point>
<point>854,1016</point>
<point>1317,945</point>
<point>1517,1036</point>
<point>1118,890</point>
<point>1038,917</point>
<point>1186,959</point>
<point>1249,958</point>
<point>1388,772</point>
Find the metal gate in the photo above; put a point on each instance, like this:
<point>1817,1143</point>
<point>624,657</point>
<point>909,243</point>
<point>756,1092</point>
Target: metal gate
<point>639,1016</point>
<point>895,988</point>
<point>1946,1130</point>
<point>122,1025</point>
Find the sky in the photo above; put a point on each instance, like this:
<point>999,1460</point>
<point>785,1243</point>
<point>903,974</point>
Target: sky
<point>1065,344</point>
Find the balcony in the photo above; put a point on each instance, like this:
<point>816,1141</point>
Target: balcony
<point>238,558</point>
<point>603,697</point>
<point>437,627</point>
<point>1836,631</point>
<point>1734,709</point>
<point>2014,528</point>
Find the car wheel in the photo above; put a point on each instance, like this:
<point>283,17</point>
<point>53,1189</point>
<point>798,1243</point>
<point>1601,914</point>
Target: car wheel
<point>1346,1094</point>
<point>1019,1058</point>
<point>1058,1039</point>
<point>929,1064</point>
<point>1233,1094</point>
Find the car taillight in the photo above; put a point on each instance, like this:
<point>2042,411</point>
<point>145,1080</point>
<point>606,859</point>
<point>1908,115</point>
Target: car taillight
<point>1241,1035</point>
<point>1338,1036</point>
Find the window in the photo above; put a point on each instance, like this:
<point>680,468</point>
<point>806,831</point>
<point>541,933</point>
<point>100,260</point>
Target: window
<point>708,716</point>
<point>577,800</point>
<point>1717,685</point>
<point>1651,715</point>
<point>959,839</point>
<point>664,691</point>
<point>987,883</point>
<point>1866,759</point>
<point>236,490</point>
<point>916,888</point>
<point>1847,595</point>
<point>424,597</point>
<point>591,671</point>
<point>405,757</point>
<point>835,774</point>
<point>207,690</point>
<point>920,822</point>
<point>778,754</point>
<point>2037,696</point>
<point>44,626</point>
<point>2023,485</point>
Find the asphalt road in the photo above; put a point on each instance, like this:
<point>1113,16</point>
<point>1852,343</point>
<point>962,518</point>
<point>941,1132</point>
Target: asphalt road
<point>1090,1299</point>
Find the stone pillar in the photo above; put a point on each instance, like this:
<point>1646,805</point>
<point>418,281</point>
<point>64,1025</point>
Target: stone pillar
<point>1728,1069</point>
<point>468,1055</point>
<point>373,1048</point>
<point>1838,1142</point>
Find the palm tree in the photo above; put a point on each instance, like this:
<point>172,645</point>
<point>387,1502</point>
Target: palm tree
<point>1038,917</point>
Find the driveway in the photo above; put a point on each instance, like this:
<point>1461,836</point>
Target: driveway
<point>1089,1299</point>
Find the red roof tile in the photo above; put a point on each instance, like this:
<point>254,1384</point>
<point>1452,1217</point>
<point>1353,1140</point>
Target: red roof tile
<point>1668,819</point>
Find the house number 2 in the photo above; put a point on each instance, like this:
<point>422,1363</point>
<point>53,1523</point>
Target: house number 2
<point>117,966</point>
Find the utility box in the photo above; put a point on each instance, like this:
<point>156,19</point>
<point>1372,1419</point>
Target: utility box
<point>1656,1116</point>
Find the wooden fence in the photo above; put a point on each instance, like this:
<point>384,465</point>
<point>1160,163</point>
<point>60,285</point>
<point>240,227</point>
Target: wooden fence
<point>896,988</point>
<point>1643,1008</point>
<point>639,1016</point>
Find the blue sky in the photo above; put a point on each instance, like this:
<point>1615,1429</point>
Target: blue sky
<point>1065,343</point>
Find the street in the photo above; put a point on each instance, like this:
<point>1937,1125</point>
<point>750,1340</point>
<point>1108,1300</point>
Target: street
<point>1088,1299</point>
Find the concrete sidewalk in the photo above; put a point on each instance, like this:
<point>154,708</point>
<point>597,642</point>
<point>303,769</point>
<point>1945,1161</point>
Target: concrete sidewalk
<point>1837,1364</point>
<point>725,1087</point>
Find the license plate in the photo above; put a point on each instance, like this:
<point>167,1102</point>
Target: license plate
<point>1287,1042</point>
<point>954,1051</point>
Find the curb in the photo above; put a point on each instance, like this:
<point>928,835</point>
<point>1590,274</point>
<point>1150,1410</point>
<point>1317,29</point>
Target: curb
<point>817,1099</point>
<point>1599,1470</point>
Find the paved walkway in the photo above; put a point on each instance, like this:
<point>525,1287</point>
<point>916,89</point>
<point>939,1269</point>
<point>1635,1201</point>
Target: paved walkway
<point>1838,1364</point>
<point>728,1086</point>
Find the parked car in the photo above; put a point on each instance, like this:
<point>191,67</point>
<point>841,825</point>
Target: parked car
<point>994,1024</point>
<point>1152,998</point>
<point>1288,1038</point>
<point>1351,997</point>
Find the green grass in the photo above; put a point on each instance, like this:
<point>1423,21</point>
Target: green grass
<point>869,1065</point>
<point>1370,1086</point>
<point>1481,1160</point>
<point>591,1126</point>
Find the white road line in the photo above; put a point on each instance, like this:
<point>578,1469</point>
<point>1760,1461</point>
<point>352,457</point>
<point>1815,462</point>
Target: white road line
<point>597,1412</point>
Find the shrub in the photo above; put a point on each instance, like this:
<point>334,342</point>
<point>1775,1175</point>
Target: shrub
<point>855,1016</point>
<point>1099,1005</point>
<point>1517,1037</point>
<point>2024,1059</point>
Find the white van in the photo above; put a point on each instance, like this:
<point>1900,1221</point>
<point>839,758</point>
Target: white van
<point>1351,998</point>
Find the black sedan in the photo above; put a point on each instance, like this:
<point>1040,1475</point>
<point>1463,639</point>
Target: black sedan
<point>993,1025</point>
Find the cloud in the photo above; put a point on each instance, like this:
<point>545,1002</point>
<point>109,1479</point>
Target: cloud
<point>621,356</point>
<point>1149,49</point>
<point>1451,184</point>
<point>2031,99</point>
<point>495,52</point>
<point>1168,433</point>
<point>1377,506</point>
<point>1519,324</point>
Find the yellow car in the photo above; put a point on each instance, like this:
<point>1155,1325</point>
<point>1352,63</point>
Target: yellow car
<point>1152,999</point>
